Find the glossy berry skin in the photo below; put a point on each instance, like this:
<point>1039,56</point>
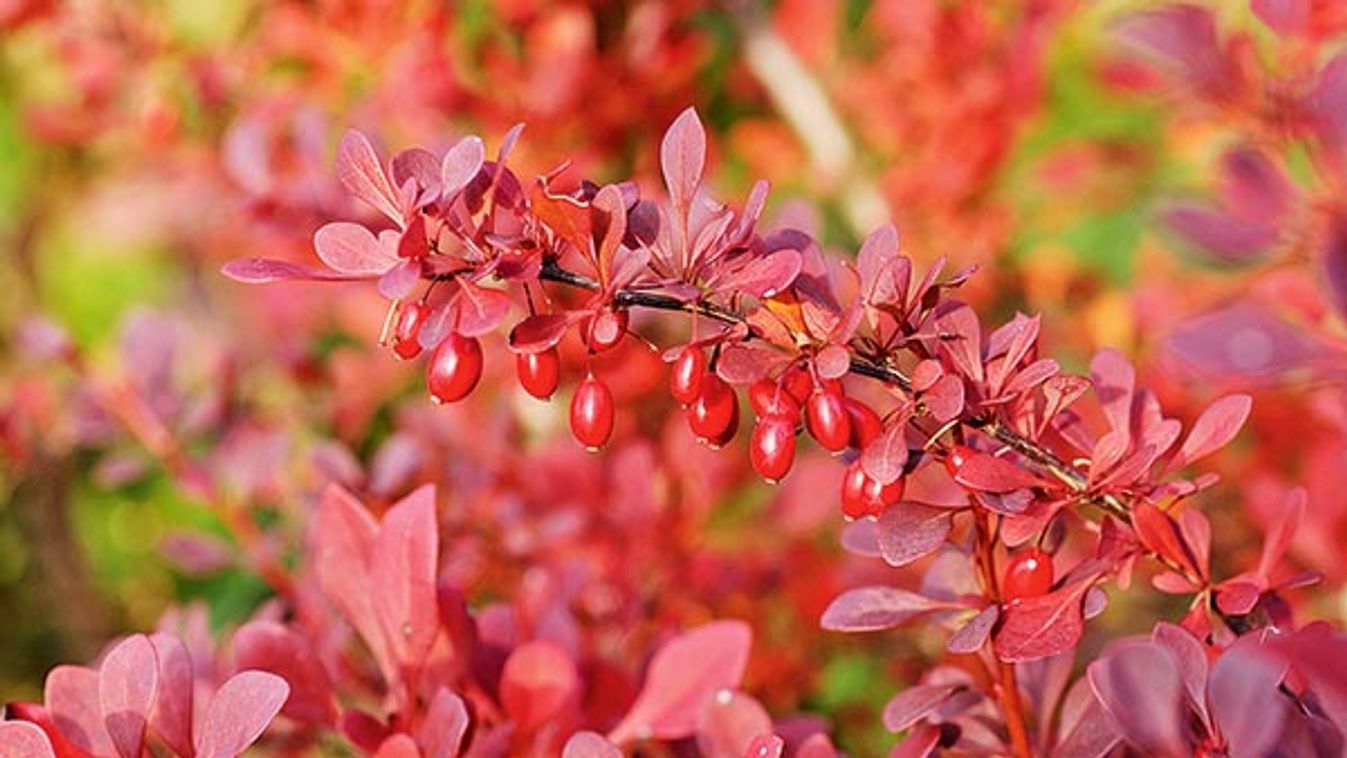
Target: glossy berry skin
<point>798,383</point>
<point>827,420</point>
<point>592,413</point>
<point>1029,574</point>
<point>727,436</point>
<point>863,496</point>
<point>599,343</point>
<point>772,448</point>
<point>957,457</point>
<point>714,411</point>
<point>685,376</point>
<point>865,423</point>
<point>454,368</point>
<point>539,373</point>
<point>770,398</point>
<point>406,344</point>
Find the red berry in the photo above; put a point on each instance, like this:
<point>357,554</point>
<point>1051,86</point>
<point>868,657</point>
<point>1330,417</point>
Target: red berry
<point>716,443</point>
<point>769,398</point>
<point>592,413</point>
<point>406,343</point>
<point>772,449</point>
<point>798,383</point>
<point>714,411</point>
<point>454,368</point>
<point>685,377</point>
<point>863,496</point>
<point>539,373</point>
<point>826,419</point>
<point>605,330</point>
<point>1029,574</point>
<point>957,457</point>
<point>885,495</point>
<point>865,423</point>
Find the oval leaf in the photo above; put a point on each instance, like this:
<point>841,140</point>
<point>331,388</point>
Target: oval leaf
<point>352,249</point>
<point>127,682</point>
<point>20,739</point>
<point>868,609</point>
<point>239,712</point>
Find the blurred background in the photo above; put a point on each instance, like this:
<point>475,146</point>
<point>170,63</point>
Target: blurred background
<point>1145,177</point>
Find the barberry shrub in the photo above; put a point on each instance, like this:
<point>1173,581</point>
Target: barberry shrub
<point>1016,494</point>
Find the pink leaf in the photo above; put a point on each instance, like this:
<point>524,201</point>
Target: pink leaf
<point>1214,429</point>
<point>446,722</point>
<point>20,739</point>
<point>1282,532</point>
<point>480,309</point>
<point>417,165</point>
<point>539,681</point>
<point>1220,234</point>
<point>832,362</point>
<point>71,696</point>
<point>682,158</point>
<point>1115,383</point>
<point>765,276</point>
<point>876,264</point>
<point>728,724</point>
<point>742,363</point>
<point>765,746</point>
<point>961,339</point>
<point>1042,626</point>
<point>1288,17</point>
<point>868,609</point>
<point>590,745</point>
<point>1334,262</point>
<point>883,459</point>
<point>127,681</point>
<point>264,270</point>
<point>682,675</point>
<point>987,473</point>
<point>239,712</point>
<point>359,171</point>
<point>352,249</point>
<point>171,717</point>
<point>973,635</point>
<point>461,163</point>
<point>398,282</point>
<point>398,745</point>
<point>914,703</point>
<point>402,576</point>
<point>272,647</point>
<point>909,531</point>
<point>945,398</point>
<point>919,743</point>
<point>341,548</point>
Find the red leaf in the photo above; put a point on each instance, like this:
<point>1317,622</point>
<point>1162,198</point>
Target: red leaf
<point>1115,382</point>
<point>728,724</point>
<point>945,398</point>
<point>402,576</point>
<point>461,163</point>
<point>480,309</point>
<point>765,746</point>
<point>973,635</point>
<point>352,249</point>
<point>21,739</point>
<point>682,157</point>
<point>398,745</point>
<point>538,682</point>
<point>127,681</point>
<point>877,264</point>
<point>1042,626</point>
<point>742,363</point>
<point>1214,429</point>
<point>868,609</point>
<point>909,531</point>
<point>275,648</point>
<point>265,270</point>
<point>417,165</point>
<point>832,362</point>
<point>884,459</point>
<point>1158,532</point>
<point>441,732</point>
<point>987,473</point>
<point>171,717</point>
<point>914,703</point>
<point>342,547</point>
<point>765,276</point>
<point>541,331</point>
<point>590,745</point>
<point>919,743</point>
<point>682,675</point>
<point>961,339</point>
<point>239,712</point>
<point>359,171</point>
<point>1280,535</point>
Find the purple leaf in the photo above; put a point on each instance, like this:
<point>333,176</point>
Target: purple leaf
<point>1185,35</point>
<point>21,739</point>
<point>1190,659</point>
<point>973,635</point>
<point>914,703</point>
<point>682,675</point>
<point>919,743</point>
<point>1245,699</point>
<point>1242,340</point>
<point>274,648</point>
<point>910,530</point>
<point>1093,734</point>
<point>127,681</point>
<point>359,171</point>
<point>868,609</point>
<point>1139,685</point>
<point>1225,237</point>
<point>441,732</point>
<point>1214,429</point>
<point>682,158</point>
<point>239,712</point>
<point>417,165</point>
<point>590,745</point>
<point>265,270</point>
<point>461,163</point>
<point>1042,626</point>
<point>1335,262</point>
<point>987,473</point>
<point>352,249</point>
<point>171,717</point>
<point>728,724</point>
<point>1329,101</point>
